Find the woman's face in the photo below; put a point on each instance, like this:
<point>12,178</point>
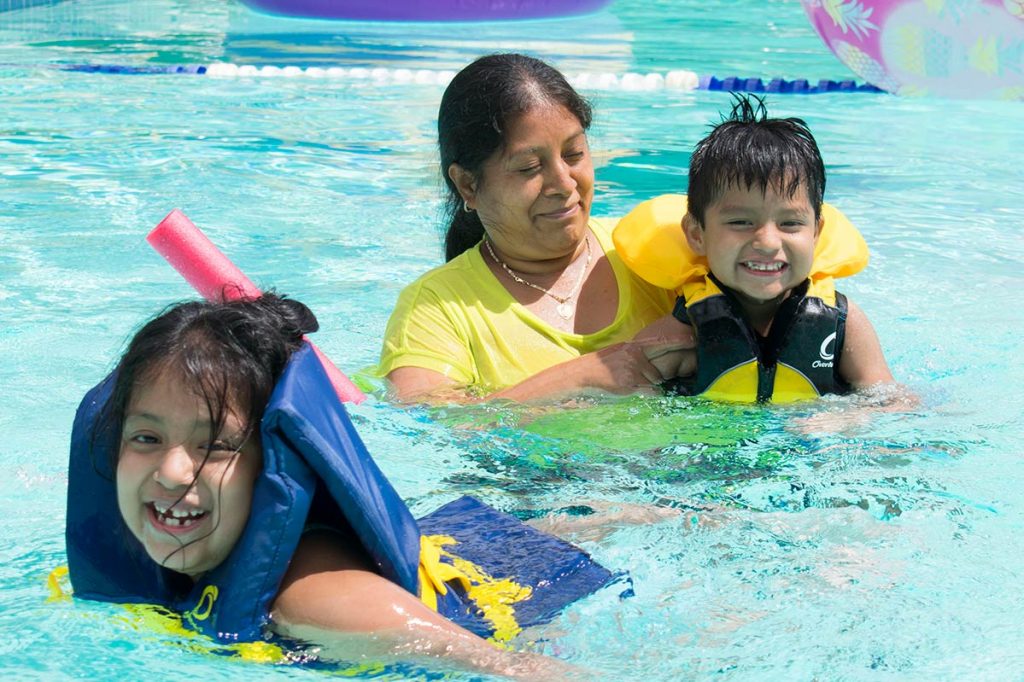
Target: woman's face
<point>186,513</point>
<point>533,196</point>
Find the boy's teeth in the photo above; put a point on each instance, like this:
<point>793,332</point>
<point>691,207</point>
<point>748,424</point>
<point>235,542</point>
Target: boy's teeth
<point>764,267</point>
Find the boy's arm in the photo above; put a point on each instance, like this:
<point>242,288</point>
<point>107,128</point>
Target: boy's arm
<point>862,363</point>
<point>863,366</point>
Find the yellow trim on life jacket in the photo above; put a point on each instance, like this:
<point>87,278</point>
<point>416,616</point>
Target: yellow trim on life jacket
<point>494,596</point>
<point>433,573</point>
<point>650,240</point>
<point>204,607</point>
<point>55,581</point>
<point>166,622</point>
<point>792,386</point>
<point>738,385</point>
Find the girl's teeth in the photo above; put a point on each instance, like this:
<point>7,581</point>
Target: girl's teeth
<point>172,513</point>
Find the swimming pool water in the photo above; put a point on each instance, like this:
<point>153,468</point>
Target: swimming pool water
<point>886,549</point>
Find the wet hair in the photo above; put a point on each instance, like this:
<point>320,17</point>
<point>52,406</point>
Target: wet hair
<point>230,354</point>
<point>748,149</point>
<point>476,110</point>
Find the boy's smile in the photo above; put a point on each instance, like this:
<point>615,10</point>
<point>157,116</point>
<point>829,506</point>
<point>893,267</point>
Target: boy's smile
<point>759,245</point>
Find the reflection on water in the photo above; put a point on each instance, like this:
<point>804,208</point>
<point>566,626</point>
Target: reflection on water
<point>811,545</point>
<point>679,451</point>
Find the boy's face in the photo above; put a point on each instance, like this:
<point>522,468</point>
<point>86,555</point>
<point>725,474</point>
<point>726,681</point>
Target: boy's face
<point>759,245</point>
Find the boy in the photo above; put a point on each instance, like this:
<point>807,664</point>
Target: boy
<point>755,275</point>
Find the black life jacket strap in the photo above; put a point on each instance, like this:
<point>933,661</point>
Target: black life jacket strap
<point>679,311</point>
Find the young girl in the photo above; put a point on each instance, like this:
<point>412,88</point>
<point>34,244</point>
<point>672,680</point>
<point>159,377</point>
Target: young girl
<point>215,473</point>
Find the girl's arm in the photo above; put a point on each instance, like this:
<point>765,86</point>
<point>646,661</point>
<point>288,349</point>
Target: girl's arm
<point>331,599</point>
<point>862,363</point>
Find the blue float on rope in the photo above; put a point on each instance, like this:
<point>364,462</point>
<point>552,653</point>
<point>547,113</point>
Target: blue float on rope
<point>673,80</point>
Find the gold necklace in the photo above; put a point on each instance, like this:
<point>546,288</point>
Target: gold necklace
<point>565,311</point>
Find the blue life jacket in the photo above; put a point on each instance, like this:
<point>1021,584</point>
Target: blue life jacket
<point>501,575</point>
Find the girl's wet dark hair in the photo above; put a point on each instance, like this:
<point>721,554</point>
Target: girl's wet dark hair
<point>477,108</point>
<point>748,149</point>
<point>230,354</point>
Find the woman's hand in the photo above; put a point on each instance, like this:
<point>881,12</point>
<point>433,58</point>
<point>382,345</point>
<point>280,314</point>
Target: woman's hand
<point>669,345</point>
<point>622,368</point>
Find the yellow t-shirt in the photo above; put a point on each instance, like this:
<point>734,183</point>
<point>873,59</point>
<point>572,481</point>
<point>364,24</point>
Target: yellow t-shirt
<point>459,320</point>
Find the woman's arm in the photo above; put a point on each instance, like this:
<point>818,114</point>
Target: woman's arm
<point>621,368</point>
<point>670,346</point>
<point>411,383</point>
<point>333,600</point>
<point>660,351</point>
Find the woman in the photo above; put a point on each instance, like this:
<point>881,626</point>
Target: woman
<point>533,301</point>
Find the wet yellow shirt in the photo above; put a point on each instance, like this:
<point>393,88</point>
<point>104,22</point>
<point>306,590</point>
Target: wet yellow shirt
<point>459,320</point>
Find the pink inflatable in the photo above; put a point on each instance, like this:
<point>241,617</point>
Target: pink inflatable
<point>215,277</point>
<point>949,48</point>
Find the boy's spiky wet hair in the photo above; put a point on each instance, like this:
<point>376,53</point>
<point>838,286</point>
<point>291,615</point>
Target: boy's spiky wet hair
<point>748,149</point>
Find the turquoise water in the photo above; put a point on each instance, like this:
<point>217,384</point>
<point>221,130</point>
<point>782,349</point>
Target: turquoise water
<point>884,549</point>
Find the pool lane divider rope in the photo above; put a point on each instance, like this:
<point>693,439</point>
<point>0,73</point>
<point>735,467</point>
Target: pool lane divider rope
<point>672,80</point>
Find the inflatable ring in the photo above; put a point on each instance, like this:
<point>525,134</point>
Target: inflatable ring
<point>923,47</point>
<point>435,10</point>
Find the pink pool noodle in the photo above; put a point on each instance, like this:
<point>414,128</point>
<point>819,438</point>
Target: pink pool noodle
<point>216,278</point>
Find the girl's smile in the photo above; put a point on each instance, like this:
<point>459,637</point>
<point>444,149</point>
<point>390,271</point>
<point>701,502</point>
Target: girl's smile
<point>184,492</point>
<point>175,518</point>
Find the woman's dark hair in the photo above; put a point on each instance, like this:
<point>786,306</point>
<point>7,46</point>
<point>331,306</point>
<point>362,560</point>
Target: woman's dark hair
<point>748,149</point>
<point>476,110</point>
<point>231,354</point>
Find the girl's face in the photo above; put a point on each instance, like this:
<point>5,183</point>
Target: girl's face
<point>186,513</point>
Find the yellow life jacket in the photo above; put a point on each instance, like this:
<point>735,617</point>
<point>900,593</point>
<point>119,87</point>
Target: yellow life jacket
<point>793,363</point>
